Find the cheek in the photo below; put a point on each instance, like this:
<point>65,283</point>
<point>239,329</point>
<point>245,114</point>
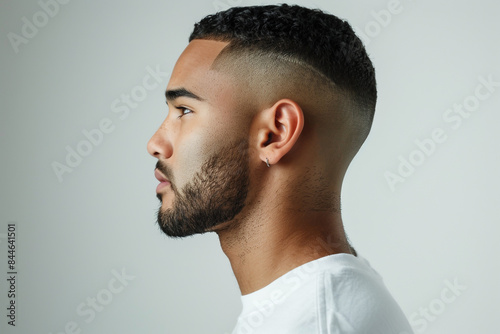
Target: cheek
<point>194,150</point>
<point>203,137</point>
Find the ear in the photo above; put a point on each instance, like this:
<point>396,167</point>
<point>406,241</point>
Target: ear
<point>279,129</point>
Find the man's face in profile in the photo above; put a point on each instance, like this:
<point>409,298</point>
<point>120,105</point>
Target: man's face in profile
<point>201,147</point>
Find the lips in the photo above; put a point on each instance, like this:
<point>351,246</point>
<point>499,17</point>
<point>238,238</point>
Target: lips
<point>159,176</point>
<point>163,181</point>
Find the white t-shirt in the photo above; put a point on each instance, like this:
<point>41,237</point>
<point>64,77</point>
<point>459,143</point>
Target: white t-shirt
<point>335,294</point>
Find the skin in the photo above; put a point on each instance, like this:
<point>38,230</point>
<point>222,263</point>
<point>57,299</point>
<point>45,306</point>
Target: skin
<point>290,212</point>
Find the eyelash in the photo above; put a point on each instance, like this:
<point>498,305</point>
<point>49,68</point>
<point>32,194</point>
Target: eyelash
<point>182,109</point>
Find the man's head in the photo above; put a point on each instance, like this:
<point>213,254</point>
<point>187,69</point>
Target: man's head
<point>286,84</point>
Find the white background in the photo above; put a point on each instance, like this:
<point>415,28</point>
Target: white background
<point>440,225</point>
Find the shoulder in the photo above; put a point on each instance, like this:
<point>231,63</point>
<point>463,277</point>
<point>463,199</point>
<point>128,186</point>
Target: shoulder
<point>352,298</point>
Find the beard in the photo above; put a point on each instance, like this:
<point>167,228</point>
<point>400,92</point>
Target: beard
<point>215,195</point>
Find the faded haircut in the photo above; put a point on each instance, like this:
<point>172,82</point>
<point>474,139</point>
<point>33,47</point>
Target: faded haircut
<point>319,42</point>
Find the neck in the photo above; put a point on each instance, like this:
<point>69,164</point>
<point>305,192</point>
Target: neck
<point>266,243</point>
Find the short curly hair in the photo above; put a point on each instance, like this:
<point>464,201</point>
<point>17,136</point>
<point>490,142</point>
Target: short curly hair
<point>311,36</point>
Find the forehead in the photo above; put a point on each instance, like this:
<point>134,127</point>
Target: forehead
<point>192,70</point>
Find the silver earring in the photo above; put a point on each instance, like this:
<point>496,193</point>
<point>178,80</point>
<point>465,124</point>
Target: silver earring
<point>267,162</point>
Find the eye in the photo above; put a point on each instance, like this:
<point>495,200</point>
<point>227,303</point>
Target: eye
<point>184,111</point>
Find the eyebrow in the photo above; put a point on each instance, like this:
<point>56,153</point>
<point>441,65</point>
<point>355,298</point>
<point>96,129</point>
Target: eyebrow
<point>173,94</point>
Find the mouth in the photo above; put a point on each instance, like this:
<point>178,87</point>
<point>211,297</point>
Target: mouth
<point>164,182</point>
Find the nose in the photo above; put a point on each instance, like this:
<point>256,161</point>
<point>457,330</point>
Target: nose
<point>159,146</point>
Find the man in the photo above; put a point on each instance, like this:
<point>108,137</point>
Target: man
<point>268,105</point>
